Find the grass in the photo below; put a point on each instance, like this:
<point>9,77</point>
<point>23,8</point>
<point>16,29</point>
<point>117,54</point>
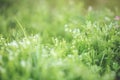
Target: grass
<point>58,41</point>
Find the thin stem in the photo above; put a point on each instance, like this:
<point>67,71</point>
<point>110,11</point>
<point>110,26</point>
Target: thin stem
<point>21,27</point>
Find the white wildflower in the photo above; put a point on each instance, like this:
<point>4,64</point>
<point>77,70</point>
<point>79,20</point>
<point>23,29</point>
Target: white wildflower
<point>25,42</point>
<point>66,28</point>
<point>52,51</point>
<point>70,56</point>
<point>90,8</point>
<point>23,63</point>
<point>13,43</point>
<point>76,31</point>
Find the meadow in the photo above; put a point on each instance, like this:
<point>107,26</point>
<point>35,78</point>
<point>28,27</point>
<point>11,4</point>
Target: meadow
<point>58,40</point>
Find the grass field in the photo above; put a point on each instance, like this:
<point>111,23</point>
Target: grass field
<point>58,40</point>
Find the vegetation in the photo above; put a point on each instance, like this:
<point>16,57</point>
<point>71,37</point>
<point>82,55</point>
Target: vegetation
<point>58,40</point>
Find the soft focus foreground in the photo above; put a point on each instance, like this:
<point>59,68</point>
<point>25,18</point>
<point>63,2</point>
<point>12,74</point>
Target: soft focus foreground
<point>59,40</point>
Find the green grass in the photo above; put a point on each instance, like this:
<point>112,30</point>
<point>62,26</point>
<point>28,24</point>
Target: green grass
<point>58,40</point>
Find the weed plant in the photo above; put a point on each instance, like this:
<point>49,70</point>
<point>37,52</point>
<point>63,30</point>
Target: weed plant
<point>58,40</point>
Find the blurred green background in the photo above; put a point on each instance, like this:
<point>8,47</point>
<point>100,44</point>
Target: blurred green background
<point>39,16</point>
<point>95,3</point>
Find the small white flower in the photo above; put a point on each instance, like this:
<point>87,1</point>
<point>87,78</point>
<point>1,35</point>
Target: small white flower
<point>27,42</point>
<point>66,28</point>
<point>66,25</point>
<point>14,44</point>
<point>90,8</point>
<point>70,56</point>
<point>23,63</point>
<point>53,52</point>
<point>76,31</point>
